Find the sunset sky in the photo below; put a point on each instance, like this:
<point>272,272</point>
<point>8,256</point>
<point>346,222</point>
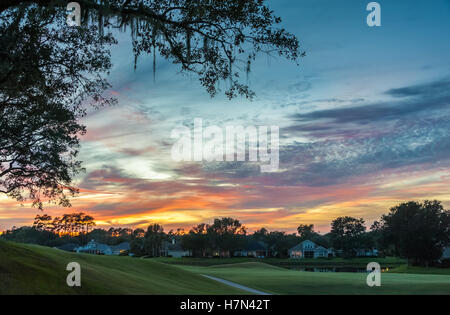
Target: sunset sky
<point>364,124</point>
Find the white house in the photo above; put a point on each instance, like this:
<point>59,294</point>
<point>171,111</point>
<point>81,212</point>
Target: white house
<point>173,248</point>
<point>446,253</point>
<point>309,249</point>
<point>367,252</point>
<point>257,249</point>
<point>102,249</point>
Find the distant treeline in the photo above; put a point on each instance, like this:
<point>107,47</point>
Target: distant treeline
<point>418,231</point>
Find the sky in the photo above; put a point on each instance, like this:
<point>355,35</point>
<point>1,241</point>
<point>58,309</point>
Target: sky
<point>364,125</point>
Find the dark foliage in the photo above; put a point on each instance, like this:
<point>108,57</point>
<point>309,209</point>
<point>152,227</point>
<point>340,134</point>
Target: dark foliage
<point>418,231</point>
<point>413,230</point>
<point>48,70</point>
<point>347,235</point>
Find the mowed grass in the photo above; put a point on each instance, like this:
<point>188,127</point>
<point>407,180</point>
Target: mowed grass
<point>420,270</point>
<point>388,262</point>
<point>275,280</point>
<point>31,269</point>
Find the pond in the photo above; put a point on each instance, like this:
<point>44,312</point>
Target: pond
<point>325,269</point>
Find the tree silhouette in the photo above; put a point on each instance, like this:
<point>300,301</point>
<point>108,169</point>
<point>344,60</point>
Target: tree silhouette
<point>69,224</point>
<point>226,235</point>
<point>305,231</point>
<point>49,71</point>
<point>419,231</point>
<point>347,234</point>
<point>154,237</point>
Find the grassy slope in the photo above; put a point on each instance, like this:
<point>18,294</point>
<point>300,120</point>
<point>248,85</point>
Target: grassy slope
<point>29,269</point>
<point>282,281</point>
<point>420,270</point>
<point>335,262</point>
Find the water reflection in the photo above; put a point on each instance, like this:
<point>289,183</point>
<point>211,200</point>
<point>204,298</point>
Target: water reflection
<point>326,269</point>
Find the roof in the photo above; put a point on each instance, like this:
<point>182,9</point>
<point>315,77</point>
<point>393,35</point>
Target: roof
<point>173,244</point>
<point>122,246</point>
<point>300,246</point>
<point>446,252</point>
<point>173,247</point>
<point>102,247</point>
<point>93,245</point>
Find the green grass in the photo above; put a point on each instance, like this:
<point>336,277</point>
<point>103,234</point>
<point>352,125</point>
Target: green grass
<point>247,265</point>
<point>283,281</point>
<point>389,262</point>
<point>31,269</point>
<point>420,270</point>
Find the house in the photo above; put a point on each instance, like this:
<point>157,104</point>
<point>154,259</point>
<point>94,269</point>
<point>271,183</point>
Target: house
<point>102,249</point>
<point>95,248</point>
<point>446,253</point>
<point>257,249</point>
<point>174,248</point>
<point>358,252</point>
<point>367,252</point>
<point>309,249</point>
<point>121,249</point>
